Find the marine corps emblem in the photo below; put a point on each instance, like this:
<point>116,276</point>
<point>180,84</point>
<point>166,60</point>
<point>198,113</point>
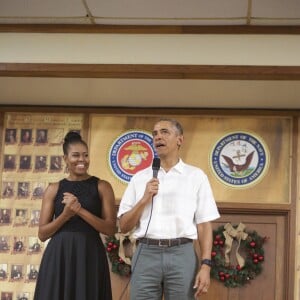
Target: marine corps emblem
<point>130,153</point>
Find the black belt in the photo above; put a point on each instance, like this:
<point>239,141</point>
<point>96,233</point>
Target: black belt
<point>165,242</point>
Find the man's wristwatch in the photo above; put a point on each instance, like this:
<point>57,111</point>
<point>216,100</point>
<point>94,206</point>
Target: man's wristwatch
<point>206,262</point>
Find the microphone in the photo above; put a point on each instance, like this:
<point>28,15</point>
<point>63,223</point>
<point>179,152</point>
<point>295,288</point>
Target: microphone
<point>155,166</point>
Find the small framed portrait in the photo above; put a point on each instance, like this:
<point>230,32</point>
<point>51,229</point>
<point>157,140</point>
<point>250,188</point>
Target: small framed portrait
<point>16,272</point>
<point>41,136</point>
<point>21,217</point>
<point>32,272</point>
<point>23,189</point>
<point>10,135</point>
<point>19,244</point>
<point>6,295</point>
<point>55,163</point>
<point>40,163</point>
<point>34,245</point>
<point>4,243</point>
<point>8,189</point>
<point>9,162</point>
<point>35,217</point>
<point>23,296</point>
<point>25,162</point>
<point>5,216</point>
<point>3,271</point>
<point>38,190</point>
<point>26,136</point>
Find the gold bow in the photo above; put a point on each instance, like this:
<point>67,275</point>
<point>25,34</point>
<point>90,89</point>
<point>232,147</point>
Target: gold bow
<point>230,234</point>
<point>122,237</point>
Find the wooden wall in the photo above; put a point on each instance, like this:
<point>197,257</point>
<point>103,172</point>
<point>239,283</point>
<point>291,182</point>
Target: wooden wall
<point>268,207</point>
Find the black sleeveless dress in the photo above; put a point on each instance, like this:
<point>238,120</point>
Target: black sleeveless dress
<point>74,265</point>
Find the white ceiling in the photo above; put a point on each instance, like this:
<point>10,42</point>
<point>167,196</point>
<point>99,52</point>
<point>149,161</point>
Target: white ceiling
<point>150,92</point>
<point>154,12</point>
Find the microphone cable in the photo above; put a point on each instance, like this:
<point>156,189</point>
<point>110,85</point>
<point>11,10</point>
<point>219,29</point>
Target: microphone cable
<point>138,253</point>
<point>155,169</point>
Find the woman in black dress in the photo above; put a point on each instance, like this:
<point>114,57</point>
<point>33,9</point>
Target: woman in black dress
<point>74,211</point>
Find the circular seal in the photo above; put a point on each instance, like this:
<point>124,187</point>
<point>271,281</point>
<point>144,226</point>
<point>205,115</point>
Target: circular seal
<point>239,159</point>
<point>131,152</point>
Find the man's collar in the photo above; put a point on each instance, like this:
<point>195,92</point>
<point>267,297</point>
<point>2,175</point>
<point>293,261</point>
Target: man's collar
<point>179,166</point>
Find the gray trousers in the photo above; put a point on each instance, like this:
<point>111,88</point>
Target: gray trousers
<point>163,271</point>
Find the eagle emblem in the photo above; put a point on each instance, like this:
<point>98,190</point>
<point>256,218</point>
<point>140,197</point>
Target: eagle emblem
<point>238,168</point>
<point>239,159</point>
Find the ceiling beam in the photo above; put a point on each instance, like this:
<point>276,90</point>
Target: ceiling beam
<point>157,71</point>
<point>148,29</point>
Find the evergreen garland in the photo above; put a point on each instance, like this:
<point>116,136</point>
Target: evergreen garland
<point>234,275</point>
<point>118,266</point>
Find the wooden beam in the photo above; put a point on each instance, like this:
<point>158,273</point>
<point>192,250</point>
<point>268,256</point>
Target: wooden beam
<point>148,29</point>
<point>157,71</point>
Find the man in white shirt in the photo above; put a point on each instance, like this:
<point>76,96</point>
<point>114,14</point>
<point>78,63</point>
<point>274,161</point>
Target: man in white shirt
<point>167,213</point>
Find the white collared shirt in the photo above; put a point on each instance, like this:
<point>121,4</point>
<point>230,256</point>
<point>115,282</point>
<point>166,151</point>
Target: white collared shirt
<point>184,199</point>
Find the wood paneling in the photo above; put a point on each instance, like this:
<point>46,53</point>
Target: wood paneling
<point>201,134</point>
<point>271,284</point>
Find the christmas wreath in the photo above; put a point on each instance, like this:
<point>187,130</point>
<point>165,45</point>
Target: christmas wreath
<point>116,247</point>
<point>234,238</point>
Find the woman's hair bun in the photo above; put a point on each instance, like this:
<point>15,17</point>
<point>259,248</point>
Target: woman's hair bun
<point>72,136</point>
